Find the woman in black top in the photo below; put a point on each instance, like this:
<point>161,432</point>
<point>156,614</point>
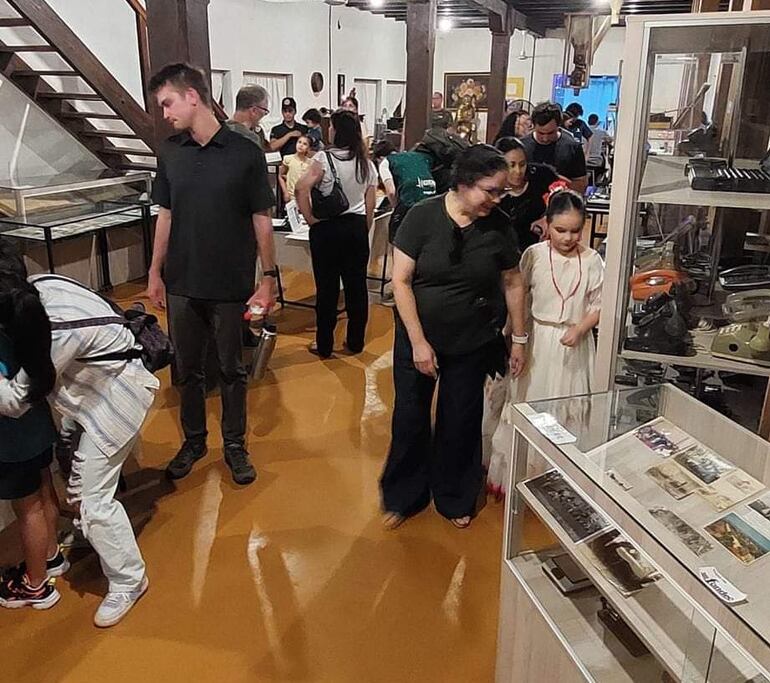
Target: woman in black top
<point>455,281</point>
<point>528,183</point>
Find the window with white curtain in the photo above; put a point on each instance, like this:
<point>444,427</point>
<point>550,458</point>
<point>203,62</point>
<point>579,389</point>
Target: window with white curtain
<point>395,96</point>
<point>278,86</point>
<point>221,90</point>
<point>368,96</point>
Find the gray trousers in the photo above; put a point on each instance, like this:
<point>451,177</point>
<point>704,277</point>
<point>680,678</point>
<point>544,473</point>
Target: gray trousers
<point>191,323</point>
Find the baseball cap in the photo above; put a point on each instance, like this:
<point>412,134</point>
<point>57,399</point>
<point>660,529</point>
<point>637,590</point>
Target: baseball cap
<point>288,103</point>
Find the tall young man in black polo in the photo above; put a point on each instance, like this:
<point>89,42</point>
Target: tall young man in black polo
<point>551,144</point>
<point>215,201</point>
<point>283,137</point>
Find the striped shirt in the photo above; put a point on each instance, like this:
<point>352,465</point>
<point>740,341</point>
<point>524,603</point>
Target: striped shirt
<point>108,399</point>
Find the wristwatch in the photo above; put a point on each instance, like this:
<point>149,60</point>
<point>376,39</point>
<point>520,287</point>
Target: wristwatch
<point>270,273</point>
<point>520,340</point>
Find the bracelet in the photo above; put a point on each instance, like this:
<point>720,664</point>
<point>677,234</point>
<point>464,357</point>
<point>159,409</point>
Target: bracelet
<point>270,273</point>
<point>520,340</point>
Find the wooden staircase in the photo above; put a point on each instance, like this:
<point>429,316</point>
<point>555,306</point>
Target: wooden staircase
<point>57,71</point>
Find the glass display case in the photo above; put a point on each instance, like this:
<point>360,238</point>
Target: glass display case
<point>637,542</point>
<point>687,287</point>
<point>51,209</point>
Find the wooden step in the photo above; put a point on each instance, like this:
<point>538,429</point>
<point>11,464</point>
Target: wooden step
<point>86,96</point>
<point>109,134</point>
<point>127,151</point>
<point>87,115</point>
<point>32,72</point>
<point>27,48</point>
<point>8,22</point>
<point>137,167</point>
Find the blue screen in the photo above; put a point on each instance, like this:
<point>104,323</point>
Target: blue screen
<point>595,99</point>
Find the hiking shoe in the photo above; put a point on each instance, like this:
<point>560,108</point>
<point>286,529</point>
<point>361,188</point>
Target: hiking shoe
<point>15,592</point>
<point>182,463</point>
<point>237,459</point>
<point>58,565</point>
<point>116,605</point>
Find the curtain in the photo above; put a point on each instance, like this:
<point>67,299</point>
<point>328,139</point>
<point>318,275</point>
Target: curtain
<point>277,88</point>
<point>394,97</point>
<point>218,88</point>
<point>366,93</point>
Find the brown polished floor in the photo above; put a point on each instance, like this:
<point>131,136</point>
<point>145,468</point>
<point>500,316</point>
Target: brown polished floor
<point>292,578</point>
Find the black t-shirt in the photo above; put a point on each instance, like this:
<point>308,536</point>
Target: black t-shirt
<point>460,304</point>
<point>580,130</point>
<point>565,155</point>
<point>529,206</point>
<point>212,192</point>
<point>282,129</point>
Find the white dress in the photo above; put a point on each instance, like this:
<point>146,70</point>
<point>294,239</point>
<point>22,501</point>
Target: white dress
<point>553,370</point>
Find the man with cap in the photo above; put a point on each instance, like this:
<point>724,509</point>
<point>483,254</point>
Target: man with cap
<point>283,137</point>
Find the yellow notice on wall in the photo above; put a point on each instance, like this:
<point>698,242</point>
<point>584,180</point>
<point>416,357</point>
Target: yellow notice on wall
<point>514,88</point>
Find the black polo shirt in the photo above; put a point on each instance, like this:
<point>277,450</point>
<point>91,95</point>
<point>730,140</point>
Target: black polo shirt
<point>565,155</point>
<point>460,301</point>
<point>212,192</point>
<point>282,129</point>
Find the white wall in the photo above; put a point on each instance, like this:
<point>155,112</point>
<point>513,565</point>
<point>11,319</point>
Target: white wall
<point>469,50</point>
<point>293,38</point>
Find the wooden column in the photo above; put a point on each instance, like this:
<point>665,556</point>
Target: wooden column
<point>178,32</point>
<point>498,77</point>
<point>420,44</point>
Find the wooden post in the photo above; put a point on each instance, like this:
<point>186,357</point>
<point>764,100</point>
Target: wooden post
<point>420,44</point>
<point>178,32</point>
<point>498,77</point>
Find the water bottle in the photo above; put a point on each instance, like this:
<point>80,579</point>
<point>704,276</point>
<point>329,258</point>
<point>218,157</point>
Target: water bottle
<point>265,337</point>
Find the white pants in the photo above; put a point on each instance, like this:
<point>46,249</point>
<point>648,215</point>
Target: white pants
<point>103,520</point>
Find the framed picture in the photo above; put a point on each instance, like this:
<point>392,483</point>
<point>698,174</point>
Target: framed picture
<point>341,92</point>
<point>457,86</point>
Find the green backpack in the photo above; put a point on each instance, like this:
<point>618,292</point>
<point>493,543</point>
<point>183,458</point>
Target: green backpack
<point>412,176</point>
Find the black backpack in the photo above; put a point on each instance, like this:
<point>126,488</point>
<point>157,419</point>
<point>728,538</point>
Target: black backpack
<point>441,148</point>
<point>157,351</point>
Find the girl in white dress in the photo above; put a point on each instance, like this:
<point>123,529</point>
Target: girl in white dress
<point>564,279</point>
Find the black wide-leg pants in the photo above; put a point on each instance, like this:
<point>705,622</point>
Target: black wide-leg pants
<point>444,463</point>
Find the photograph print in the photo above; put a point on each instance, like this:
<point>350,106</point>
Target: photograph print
<point>739,537</point>
<point>703,463</point>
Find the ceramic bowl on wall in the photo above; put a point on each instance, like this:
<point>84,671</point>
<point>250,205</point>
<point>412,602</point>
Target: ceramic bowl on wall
<point>317,83</point>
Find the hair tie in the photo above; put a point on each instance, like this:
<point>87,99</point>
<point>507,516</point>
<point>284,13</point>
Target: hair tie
<point>554,188</point>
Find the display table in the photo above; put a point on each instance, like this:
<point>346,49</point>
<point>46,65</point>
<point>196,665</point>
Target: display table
<point>654,490</point>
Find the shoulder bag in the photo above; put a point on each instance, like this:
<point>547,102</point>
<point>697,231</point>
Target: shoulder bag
<point>333,204</point>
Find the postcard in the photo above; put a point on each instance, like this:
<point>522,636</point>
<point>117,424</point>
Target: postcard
<point>620,562</point>
<point>739,537</point>
<point>761,507</point>
<point>703,463</point>
<point>656,439</point>
<point>675,524</point>
<point>575,515</point>
<point>673,479</point>
<point>730,489</point>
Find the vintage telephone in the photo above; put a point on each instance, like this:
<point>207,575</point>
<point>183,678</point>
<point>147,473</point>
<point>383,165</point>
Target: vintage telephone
<point>745,277</point>
<point>651,282</point>
<point>660,324</point>
<point>747,338</point>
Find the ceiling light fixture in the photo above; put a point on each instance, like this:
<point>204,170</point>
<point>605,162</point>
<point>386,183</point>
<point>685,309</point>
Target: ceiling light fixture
<point>376,3</point>
<point>445,24</point>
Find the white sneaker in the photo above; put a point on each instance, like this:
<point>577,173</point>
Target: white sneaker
<point>115,605</point>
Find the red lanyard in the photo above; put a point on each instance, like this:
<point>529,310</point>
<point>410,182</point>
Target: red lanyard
<point>556,284</point>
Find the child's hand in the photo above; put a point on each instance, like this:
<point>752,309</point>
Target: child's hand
<point>572,336</point>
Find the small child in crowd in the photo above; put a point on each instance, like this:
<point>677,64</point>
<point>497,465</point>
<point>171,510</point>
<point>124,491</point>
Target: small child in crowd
<point>294,166</point>
<point>312,119</point>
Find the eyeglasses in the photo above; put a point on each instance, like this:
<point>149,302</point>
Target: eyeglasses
<point>264,109</point>
<point>494,193</point>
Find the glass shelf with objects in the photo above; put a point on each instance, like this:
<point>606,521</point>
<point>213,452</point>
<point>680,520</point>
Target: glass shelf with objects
<point>637,541</point>
<point>687,287</point>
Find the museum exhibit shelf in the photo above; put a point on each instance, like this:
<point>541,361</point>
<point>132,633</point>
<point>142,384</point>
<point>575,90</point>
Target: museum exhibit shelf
<point>640,542</point>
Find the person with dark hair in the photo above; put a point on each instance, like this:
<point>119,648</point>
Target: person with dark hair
<point>564,282</point>
<point>215,200</point>
<point>575,125</point>
<point>106,399</point>
<point>26,446</point>
<point>251,106</point>
<point>596,145</point>
<point>350,103</point>
<point>283,137</point>
<point>456,282</point>
<point>509,126</point>
<point>313,119</point>
<point>339,246</point>
<point>527,183</point>
<point>550,144</point>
